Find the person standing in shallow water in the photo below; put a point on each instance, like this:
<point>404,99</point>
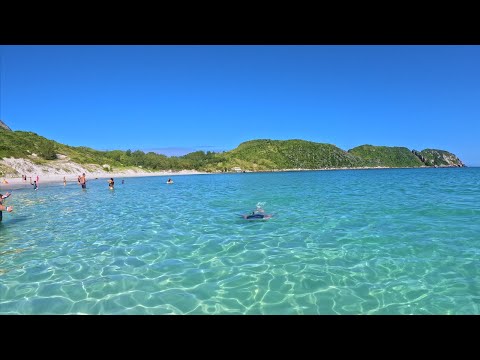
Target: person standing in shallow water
<point>3,207</point>
<point>83,181</point>
<point>64,181</point>
<point>111,184</point>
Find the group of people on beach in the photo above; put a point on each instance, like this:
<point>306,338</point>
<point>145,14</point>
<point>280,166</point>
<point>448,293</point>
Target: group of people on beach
<point>34,183</point>
<point>24,178</point>
<point>82,180</point>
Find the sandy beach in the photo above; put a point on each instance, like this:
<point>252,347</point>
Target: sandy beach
<point>57,170</point>
<point>14,183</point>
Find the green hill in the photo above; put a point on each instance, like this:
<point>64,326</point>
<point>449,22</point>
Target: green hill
<point>290,154</point>
<point>386,156</point>
<point>254,155</point>
<point>22,144</point>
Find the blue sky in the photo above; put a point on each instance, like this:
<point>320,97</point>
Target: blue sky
<point>178,99</point>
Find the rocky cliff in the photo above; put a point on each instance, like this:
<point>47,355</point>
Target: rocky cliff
<point>4,126</point>
<point>438,158</point>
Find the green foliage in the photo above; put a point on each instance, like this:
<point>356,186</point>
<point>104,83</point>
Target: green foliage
<point>46,149</point>
<point>291,154</point>
<point>385,156</point>
<point>18,144</point>
<point>201,160</point>
<point>255,155</point>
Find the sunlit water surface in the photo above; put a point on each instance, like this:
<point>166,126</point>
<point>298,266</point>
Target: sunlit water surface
<point>393,241</point>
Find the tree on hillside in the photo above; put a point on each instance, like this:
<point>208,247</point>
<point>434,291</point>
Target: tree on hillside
<point>46,149</point>
<point>138,157</point>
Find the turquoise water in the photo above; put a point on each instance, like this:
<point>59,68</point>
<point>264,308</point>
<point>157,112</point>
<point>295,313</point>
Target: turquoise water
<point>393,241</point>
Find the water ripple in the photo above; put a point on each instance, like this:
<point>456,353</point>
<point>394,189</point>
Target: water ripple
<point>399,241</point>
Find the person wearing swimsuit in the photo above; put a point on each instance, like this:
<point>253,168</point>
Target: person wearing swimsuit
<point>83,181</point>
<point>3,207</point>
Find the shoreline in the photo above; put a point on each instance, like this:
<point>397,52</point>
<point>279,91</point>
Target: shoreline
<point>14,182</point>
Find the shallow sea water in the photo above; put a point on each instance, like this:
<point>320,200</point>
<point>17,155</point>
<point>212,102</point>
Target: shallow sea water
<point>390,241</point>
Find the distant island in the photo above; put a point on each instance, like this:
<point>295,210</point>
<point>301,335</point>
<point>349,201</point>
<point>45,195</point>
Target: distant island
<point>254,155</point>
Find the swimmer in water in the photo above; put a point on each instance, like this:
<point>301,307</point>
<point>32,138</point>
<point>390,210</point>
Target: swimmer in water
<point>258,213</point>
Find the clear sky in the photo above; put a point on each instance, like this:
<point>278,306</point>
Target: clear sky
<point>178,99</point>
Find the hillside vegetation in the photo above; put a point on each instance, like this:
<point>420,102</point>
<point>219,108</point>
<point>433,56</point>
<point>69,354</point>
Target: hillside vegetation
<point>386,156</point>
<point>290,154</point>
<point>255,155</point>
